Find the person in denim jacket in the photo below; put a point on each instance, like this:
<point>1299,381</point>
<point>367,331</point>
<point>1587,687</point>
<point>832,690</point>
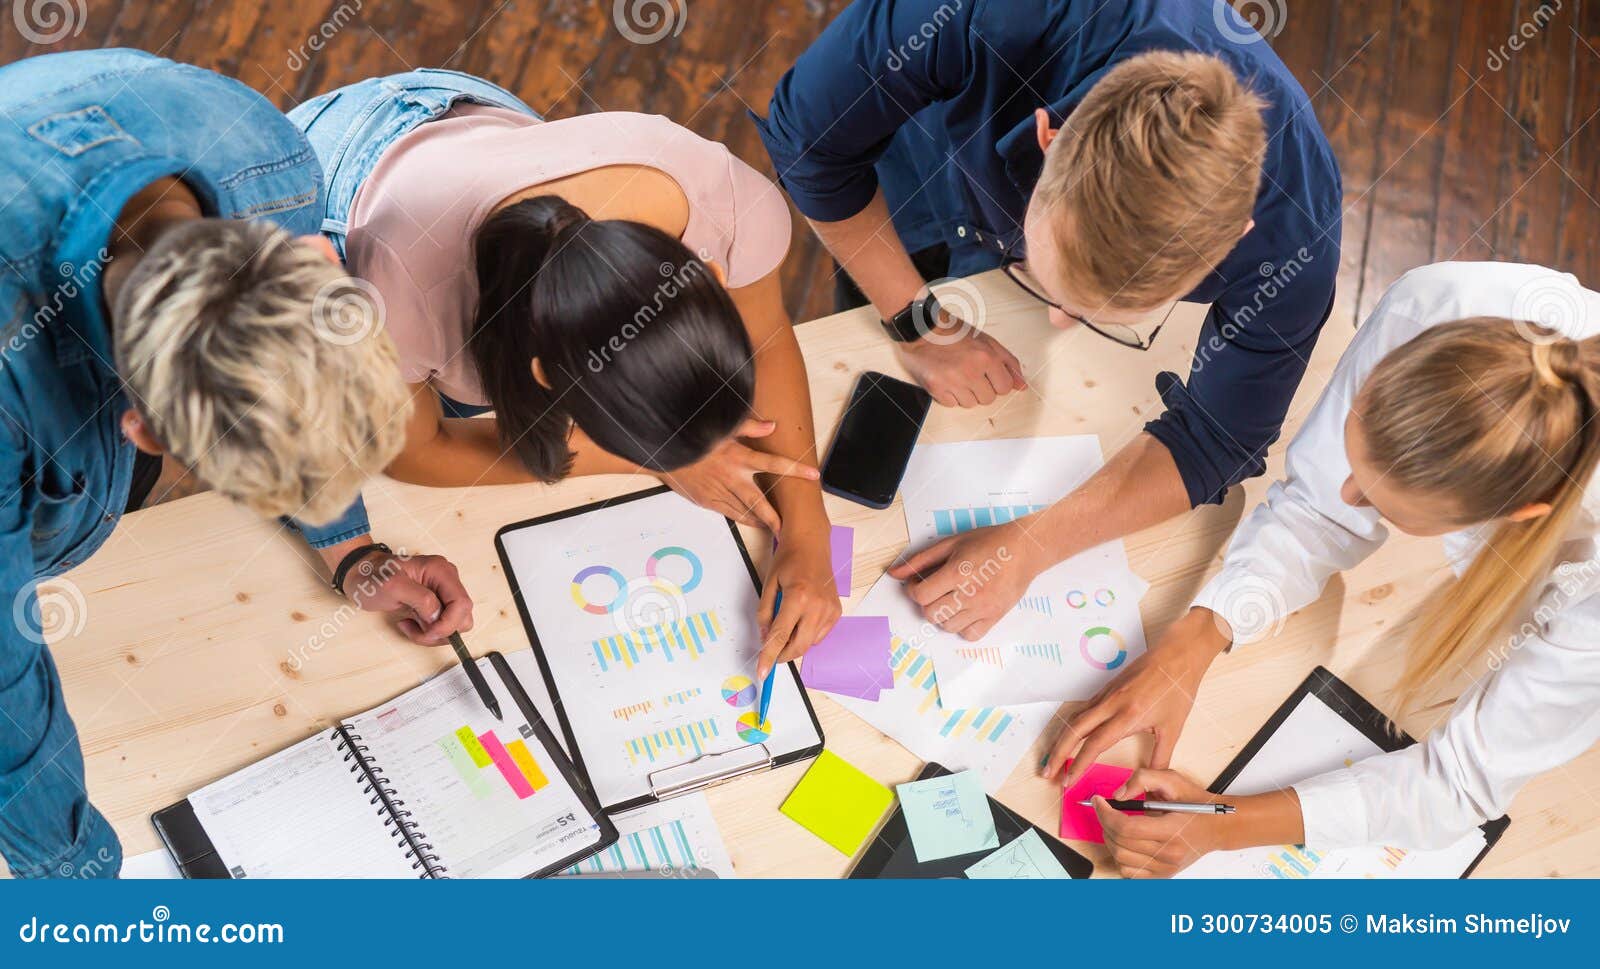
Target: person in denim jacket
<point>171,319</point>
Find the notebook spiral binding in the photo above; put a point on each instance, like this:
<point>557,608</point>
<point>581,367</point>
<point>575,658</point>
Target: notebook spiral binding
<point>390,806</point>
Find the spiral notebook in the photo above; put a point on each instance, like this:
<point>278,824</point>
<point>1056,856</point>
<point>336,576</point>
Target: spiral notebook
<point>428,785</point>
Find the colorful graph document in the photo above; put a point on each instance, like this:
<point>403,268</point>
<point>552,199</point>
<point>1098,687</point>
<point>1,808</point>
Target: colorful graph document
<point>1023,857</point>
<point>678,835</point>
<point>988,739</point>
<point>948,816</point>
<point>1315,739</point>
<point>1078,623</point>
<point>837,802</point>
<point>645,614</point>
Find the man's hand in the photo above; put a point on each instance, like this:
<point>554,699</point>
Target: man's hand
<point>424,591</point>
<point>1159,844</point>
<point>1155,694</point>
<point>725,480</point>
<point>802,568</point>
<point>966,583</point>
<point>962,367</point>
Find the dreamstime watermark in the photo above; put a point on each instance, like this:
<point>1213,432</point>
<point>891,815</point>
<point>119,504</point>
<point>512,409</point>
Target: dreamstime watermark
<point>1571,582</point>
<point>647,21</point>
<point>919,39</point>
<point>1248,607</point>
<point>675,280</point>
<point>965,312</point>
<point>1264,18</point>
<point>325,32</point>
<point>45,22</point>
<point>75,281</point>
<point>50,610</point>
<point>347,310</point>
<point>1499,57</point>
<point>1275,281</point>
<point>1551,307</point>
<point>973,578</point>
<point>160,929</point>
<point>373,578</point>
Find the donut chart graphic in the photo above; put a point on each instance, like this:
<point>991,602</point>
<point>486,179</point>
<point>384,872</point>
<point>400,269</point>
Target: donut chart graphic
<point>696,573</point>
<point>1104,597</point>
<point>1076,599</point>
<point>583,601</point>
<point>751,732</point>
<point>738,691</point>
<point>1098,633</point>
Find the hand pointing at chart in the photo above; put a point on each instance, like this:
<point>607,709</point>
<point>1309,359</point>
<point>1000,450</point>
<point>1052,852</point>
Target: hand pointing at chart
<point>801,576</point>
<point>966,583</point>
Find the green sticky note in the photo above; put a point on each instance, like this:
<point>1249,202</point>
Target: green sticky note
<point>837,802</point>
<point>1024,857</point>
<point>948,816</point>
<point>474,749</point>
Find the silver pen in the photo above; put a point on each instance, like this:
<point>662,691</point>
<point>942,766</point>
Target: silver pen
<point>1171,807</point>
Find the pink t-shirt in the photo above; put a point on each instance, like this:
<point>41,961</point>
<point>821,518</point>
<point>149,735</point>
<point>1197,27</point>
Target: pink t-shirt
<point>412,222</point>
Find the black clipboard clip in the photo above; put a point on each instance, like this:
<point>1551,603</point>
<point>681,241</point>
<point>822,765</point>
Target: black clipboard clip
<point>709,770</point>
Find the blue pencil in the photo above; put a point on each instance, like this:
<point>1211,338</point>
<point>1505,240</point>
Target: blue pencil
<point>766,685</point>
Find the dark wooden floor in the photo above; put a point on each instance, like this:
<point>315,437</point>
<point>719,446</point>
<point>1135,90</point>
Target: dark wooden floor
<point>1453,144</point>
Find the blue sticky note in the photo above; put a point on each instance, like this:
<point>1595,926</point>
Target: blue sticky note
<point>948,816</point>
<point>1022,858</point>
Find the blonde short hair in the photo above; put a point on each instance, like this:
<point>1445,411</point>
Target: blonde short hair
<point>1153,177</point>
<point>261,366</point>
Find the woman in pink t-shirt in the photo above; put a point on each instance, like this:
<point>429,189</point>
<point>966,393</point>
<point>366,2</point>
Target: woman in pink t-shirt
<point>606,284</point>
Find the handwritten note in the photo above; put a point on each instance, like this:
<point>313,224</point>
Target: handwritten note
<point>837,802</point>
<point>1024,857</point>
<point>948,816</point>
<point>852,660</point>
<point>1081,823</point>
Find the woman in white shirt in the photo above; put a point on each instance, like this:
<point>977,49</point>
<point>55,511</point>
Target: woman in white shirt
<point>1448,415</point>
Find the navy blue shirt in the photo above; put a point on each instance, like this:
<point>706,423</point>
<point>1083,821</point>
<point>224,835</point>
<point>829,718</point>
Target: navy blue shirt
<point>933,100</point>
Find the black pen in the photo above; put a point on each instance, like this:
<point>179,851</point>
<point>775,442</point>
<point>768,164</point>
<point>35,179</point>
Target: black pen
<point>1171,807</point>
<point>475,675</point>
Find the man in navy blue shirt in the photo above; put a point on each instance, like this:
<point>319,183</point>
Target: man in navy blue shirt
<point>1113,158</point>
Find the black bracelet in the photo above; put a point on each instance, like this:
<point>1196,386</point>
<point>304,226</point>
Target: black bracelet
<point>350,559</point>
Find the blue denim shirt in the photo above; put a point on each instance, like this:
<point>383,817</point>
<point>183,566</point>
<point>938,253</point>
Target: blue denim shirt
<point>933,100</point>
<point>84,132</point>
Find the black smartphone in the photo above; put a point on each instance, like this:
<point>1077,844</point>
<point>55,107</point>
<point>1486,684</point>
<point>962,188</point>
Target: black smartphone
<point>874,441</point>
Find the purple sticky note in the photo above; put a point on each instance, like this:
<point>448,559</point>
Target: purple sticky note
<point>852,660</point>
<point>843,541</point>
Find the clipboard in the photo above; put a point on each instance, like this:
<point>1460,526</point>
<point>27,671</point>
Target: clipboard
<point>545,618</point>
<point>1359,712</point>
<point>185,836</point>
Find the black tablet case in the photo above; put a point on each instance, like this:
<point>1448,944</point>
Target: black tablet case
<point>197,857</point>
<point>544,668</point>
<point>891,854</point>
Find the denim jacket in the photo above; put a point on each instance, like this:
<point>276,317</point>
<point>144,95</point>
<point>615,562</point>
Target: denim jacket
<point>84,132</point>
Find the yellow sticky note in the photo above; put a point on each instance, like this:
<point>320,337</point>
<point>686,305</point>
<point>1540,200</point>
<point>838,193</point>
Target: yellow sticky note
<point>837,803</point>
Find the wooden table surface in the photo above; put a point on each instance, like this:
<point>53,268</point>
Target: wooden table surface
<point>206,641</point>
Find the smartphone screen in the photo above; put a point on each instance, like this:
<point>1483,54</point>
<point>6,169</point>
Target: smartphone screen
<point>874,441</point>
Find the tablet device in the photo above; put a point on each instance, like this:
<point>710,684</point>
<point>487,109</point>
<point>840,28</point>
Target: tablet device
<point>891,854</point>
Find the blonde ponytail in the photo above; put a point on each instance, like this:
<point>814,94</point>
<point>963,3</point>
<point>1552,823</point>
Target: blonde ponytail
<point>1472,412</point>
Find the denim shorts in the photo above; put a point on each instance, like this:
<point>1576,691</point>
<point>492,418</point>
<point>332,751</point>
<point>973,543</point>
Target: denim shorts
<point>351,127</point>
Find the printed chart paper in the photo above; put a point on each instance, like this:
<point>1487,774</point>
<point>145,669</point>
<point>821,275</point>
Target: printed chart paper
<point>987,739</point>
<point>1078,623</point>
<point>645,612</point>
<point>676,835</point>
<point>1313,740</point>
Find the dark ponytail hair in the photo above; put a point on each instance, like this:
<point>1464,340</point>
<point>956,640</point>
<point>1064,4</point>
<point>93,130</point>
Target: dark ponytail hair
<point>643,347</point>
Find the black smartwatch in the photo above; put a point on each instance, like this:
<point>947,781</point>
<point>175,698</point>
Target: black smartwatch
<point>915,321</point>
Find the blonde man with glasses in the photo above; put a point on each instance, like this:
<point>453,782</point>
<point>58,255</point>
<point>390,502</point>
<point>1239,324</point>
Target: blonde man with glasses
<point>1115,159</point>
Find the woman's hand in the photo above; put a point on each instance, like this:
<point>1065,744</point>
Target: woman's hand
<point>802,568</point>
<point>1155,694</point>
<point>725,480</point>
<point>1157,844</point>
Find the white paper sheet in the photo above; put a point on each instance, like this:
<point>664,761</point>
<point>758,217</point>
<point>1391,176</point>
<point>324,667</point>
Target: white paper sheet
<point>987,739</point>
<point>1313,740</point>
<point>1079,622</point>
<point>646,614</point>
<point>151,864</point>
<point>676,835</point>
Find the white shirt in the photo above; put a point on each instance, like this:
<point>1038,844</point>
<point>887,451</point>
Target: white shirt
<point>1537,705</point>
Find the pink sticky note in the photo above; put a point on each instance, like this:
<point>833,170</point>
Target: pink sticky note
<point>508,768</point>
<point>853,659</point>
<point>1079,823</point>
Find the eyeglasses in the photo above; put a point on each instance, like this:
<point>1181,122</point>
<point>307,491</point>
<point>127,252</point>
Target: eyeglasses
<point>1017,270</point>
